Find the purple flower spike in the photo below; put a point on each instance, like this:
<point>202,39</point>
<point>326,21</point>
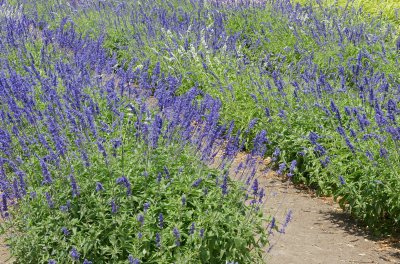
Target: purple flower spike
<point>202,233</point>
<point>133,260</point>
<point>192,229</point>
<point>255,187</point>
<point>342,181</point>
<point>74,254</point>
<point>197,182</point>
<point>287,220</point>
<point>46,174</point>
<point>65,231</point>
<point>114,207</point>
<point>177,236</point>
<point>4,202</point>
<point>293,165</point>
<point>74,186</point>
<point>282,167</point>
<point>158,240</point>
<point>146,206</point>
<point>49,200</point>
<point>125,182</point>
<point>140,218</point>
<point>99,187</point>
<point>161,220</point>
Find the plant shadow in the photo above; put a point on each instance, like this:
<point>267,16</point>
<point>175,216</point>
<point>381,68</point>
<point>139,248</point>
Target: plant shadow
<point>389,243</point>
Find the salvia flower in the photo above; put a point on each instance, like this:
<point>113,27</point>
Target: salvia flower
<point>347,110</point>
<point>159,177</point>
<point>197,182</point>
<point>146,206</point>
<point>261,195</point>
<point>74,186</point>
<point>259,143</point>
<point>341,131</point>
<point>251,125</point>
<point>22,184</point>
<point>133,260</point>
<point>140,218</point>
<point>4,202</point>
<point>63,208</point>
<point>369,155</point>
<point>353,133</point>
<point>99,187</point>
<point>271,225</point>
<point>342,181</point>
<point>319,149</point>
<point>74,254</point>
<point>192,229</point>
<point>116,143</point>
<point>282,114</point>
<point>16,189</point>
<point>254,187</point>
<point>161,220</point>
<point>52,261</point>
<point>224,185</point>
<point>166,171</point>
<point>155,131</point>
<point>335,110</point>
<point>46,174</point>
<point>87,262</point>
<point>49,200</point>
<point>325,162</point>
<point>158,240</point>
<point>293,165</point>
<point>350,145</point>
<point>177,236</point>
<point>114,207</point>
<point>65,231</point>
<point>201,234</point>
<point>125,182</point>
<point>282,167</point>
<point>276,154</point>
<point>383,153</point>
<point>287,220</point>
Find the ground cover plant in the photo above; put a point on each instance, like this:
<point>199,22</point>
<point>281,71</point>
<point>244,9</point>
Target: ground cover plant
<point>314,87</point>
<point>93,172</point>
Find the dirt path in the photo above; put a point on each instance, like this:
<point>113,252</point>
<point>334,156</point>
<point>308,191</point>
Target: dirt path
<point>320,233</point>
<point>5,257</point>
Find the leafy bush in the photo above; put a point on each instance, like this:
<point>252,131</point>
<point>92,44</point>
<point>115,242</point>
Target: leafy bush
<point>162,206</point>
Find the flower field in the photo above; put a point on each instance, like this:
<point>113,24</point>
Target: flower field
<point>120,121</point>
